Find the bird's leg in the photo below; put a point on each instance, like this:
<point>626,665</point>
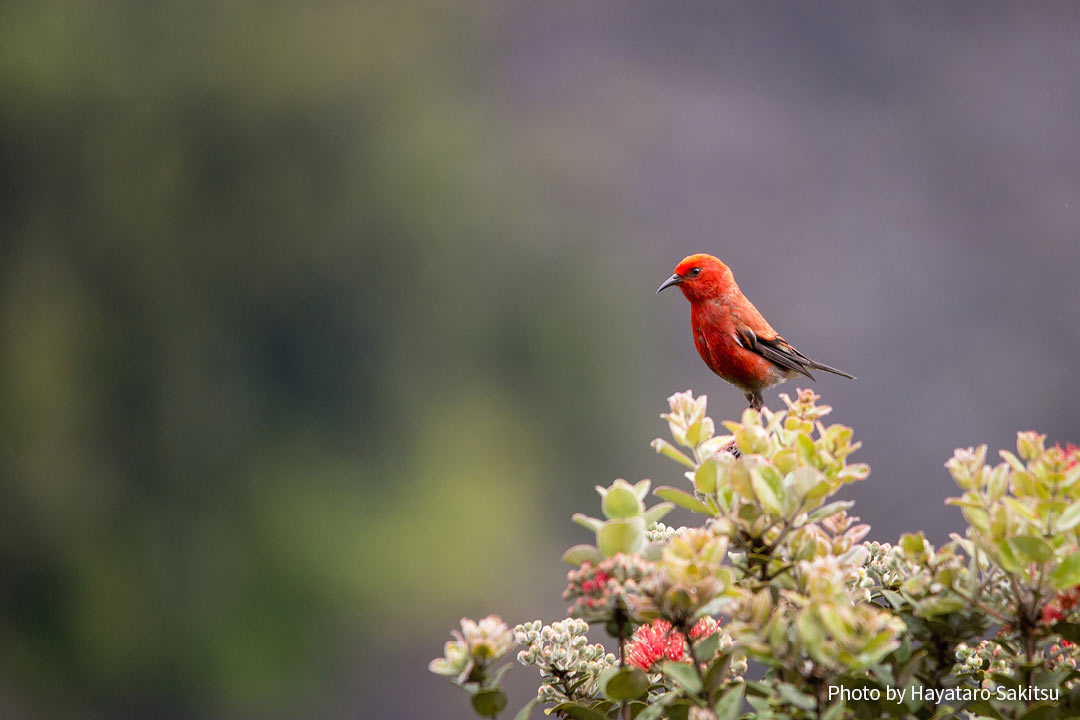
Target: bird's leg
<point>755,400</point>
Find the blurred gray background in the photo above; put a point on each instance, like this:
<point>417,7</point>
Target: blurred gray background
<point>318,320</point>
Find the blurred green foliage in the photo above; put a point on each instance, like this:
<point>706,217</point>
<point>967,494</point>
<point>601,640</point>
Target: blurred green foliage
<point>270,328</point>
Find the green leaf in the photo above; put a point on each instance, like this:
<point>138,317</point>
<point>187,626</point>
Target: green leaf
<point>1067,574</point>
<point>1040,711</point>
<point>1071,517</point>
<point>1014,462</point>
<point>1071,476</point>
<point>1022,509</point>
<point>620,501</point>
<point>706,647</point>
<point>665,448</point>
<point>729,706</point>
<point>739,478</point>
<point>792,695</point>
<point>658,707</point>
<point>698,432</point>
<point>907,670</point>
<point>883,674</point>
<point>578,711</point>
<point>682,499</point>
<point>589,523</point>
<point>804,446</point>
<point>579,554</point>
<point>657,512</point>
<point>1069,631</point>
<point>625,536</point>
<point>835,711</point>
<point>895,599</point>
<point>717,671</point>
<point>523,713</point>
<point>912,543</point>
<point>938,605</point>
<point>491,702</point>
<point>1008,560</point>
<point>1030,549</point>
<point>626,683</point>
<point>1055,679</point>
<point>768,487</point>
<point>810,630</point>
<point>684,675</point>
<point>653,552</point>
<point>705,477</point>
<point>983,708</point>
<point>760,705</point>
<point>831,509</point>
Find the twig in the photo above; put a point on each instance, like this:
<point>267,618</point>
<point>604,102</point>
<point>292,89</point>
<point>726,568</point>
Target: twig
<point>984,608</point>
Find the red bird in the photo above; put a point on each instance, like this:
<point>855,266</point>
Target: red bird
<point>731,336</point>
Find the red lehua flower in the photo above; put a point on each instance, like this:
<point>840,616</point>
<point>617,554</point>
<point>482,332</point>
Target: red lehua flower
<point>705,627</point>
<point>1068,599</point>
<point>1064,600</point>
<point>1072,453</point>
<point>1051,613</point>
<point>652,643</point>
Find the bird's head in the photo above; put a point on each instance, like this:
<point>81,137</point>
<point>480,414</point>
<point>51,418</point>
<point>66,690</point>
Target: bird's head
<point>700,277</point>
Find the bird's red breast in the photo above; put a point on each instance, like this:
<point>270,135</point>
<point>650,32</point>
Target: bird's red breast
<point>716,323</point>
<point>730,334</point>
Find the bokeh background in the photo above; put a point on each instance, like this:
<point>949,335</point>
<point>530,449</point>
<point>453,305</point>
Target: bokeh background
<point>319,319</point>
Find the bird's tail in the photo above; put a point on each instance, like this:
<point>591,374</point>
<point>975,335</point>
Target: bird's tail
<point>818,366</point>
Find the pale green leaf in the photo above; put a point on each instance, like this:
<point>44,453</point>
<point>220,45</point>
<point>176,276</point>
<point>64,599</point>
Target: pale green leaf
<point>585,521</point>
<point>1067,574</point>
<point>1030,549</point>
<point>580,554</point>
<point>767,487</point>
<point>523,713</point>
<point>657,512</point>
<point>1070,518</point>
<point>831,509</point>
<point>621,536</point>
<point>668,450</point>
<point>682,499</point>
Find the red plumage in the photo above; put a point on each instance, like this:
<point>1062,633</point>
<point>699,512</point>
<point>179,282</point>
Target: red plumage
<point>731,336</point>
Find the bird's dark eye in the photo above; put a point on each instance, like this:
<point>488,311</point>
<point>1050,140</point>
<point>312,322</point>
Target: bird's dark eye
<point>695,272</point>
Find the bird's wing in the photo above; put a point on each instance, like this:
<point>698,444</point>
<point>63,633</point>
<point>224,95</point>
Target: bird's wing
<point>775,350</point>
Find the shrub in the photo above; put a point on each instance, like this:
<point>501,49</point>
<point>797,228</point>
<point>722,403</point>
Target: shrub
<point>779,574</point>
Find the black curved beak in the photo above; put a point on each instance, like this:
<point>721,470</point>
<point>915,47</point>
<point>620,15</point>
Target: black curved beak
<point>673,280</point>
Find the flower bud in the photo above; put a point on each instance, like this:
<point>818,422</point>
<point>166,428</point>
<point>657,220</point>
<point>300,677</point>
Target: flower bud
<point>1029,444</point>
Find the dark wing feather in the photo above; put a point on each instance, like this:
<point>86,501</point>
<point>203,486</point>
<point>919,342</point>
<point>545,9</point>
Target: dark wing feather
<point>776,351</point>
